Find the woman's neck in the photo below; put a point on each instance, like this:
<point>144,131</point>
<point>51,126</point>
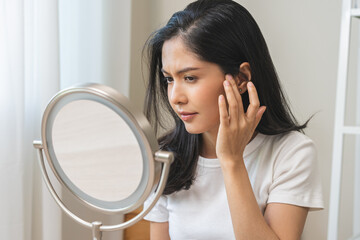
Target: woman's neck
<point>208,145</point>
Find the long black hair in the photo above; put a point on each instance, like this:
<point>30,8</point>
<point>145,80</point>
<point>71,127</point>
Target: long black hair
<point>221,32</point>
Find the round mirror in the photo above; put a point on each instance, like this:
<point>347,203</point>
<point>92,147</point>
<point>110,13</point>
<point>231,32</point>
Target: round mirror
<point>100,148</point>
<point>103,151</point>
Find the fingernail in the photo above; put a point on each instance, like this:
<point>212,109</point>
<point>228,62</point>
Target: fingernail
<point>228,77</point>
<point>250,84</point>
<point>227,83</point>
<point>221,98</point>
<point>263,109</point>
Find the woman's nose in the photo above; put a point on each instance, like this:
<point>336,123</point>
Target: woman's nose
<point>177,94</point>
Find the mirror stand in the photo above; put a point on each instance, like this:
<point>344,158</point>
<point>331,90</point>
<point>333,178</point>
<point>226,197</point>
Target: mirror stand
<point>96,232</point>
<point>164,157</point>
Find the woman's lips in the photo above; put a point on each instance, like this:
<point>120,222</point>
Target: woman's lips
<point>185,116</point>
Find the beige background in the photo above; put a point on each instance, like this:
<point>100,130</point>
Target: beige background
<point>303,38</point>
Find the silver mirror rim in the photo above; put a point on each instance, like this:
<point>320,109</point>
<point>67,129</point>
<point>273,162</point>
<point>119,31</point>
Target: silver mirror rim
<point>142,126</point>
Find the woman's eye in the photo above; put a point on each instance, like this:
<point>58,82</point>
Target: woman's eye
<point>168,79</point>
<point>190,78</point>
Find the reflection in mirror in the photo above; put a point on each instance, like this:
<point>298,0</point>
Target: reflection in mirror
<point>97,150</point>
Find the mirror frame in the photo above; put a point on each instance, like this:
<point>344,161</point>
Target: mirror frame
<point>135,120</point>
<point>159,161</point>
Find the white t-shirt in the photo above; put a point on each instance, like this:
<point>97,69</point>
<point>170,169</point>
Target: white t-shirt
<point>282,169</point>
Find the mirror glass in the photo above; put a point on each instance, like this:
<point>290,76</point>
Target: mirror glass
<point>97,150</point>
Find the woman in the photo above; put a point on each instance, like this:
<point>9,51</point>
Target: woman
<point>243,168</point>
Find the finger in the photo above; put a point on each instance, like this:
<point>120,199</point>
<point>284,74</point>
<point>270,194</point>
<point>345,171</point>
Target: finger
<point>233,104</point>
<point>236,94</point>
<point>234,87</point>
<point>224,117</point>
<point>254,101</point>
<point>259,115</point>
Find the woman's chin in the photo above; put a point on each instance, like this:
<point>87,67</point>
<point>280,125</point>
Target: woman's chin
<point>192,130</point>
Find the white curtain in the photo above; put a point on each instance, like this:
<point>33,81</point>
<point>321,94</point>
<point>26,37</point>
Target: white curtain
<point>29,76</point>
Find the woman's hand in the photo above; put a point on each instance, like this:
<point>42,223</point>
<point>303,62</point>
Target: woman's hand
<point>236,127</point>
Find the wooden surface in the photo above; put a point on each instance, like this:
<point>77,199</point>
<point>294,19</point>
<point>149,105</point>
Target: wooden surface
<point>139,231</point>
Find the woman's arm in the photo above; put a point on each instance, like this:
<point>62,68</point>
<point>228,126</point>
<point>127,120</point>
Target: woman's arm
<point>236,129</point>
<point>281,221</point>
<point>159,231</point>
<point>286,220</point>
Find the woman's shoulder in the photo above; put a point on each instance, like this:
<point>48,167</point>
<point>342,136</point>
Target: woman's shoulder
<point>292,163</point>
<point>288,138</point>
<point>289,142</point>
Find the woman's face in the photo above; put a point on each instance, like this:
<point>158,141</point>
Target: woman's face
<point>193,87</point>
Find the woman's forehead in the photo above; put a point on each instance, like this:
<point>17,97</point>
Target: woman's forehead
<point>176,56</point>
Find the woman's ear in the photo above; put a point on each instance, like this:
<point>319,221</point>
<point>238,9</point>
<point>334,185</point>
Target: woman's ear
<point>243,77</point>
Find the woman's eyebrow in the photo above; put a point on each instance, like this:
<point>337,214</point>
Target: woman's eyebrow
<point>182,70</point>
